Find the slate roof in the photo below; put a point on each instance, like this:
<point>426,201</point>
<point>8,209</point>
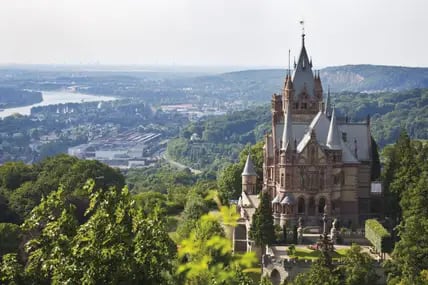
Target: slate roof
<point>249,168</point>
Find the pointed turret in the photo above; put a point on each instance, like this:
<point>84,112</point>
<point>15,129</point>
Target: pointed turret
<point>288,85</point>
<point>318,86</point>
<point>249,168</point>
<point>249,177</point>
<point>287,135</point>
<point>303,74</point>
<point>333,139</point>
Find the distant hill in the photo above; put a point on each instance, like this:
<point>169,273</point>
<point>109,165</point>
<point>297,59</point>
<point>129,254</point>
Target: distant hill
<point>258,85</point>
<point>374,78</point>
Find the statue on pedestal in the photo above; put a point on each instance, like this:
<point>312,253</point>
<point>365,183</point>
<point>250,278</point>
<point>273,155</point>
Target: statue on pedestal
<point>333,231</point>
<point>300,231</point>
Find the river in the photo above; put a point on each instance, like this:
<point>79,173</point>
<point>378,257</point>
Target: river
<point>53,98</point>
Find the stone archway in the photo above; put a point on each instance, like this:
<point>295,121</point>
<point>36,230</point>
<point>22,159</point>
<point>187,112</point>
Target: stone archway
<point>275,277</point>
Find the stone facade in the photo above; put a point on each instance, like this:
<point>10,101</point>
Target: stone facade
<point>313,161</point>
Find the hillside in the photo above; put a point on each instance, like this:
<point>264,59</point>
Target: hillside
<point>258,85</point>
<point>374,78</point>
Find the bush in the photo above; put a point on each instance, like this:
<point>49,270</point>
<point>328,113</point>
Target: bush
<point>291,249</point>
<point>378,236</point>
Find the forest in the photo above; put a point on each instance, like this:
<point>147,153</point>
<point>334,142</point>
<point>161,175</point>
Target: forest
<point>72,221</point>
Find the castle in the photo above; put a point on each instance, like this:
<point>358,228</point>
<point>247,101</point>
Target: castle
<point>313,161</point>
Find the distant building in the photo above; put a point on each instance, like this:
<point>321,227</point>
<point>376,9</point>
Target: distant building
<point>313,162</point>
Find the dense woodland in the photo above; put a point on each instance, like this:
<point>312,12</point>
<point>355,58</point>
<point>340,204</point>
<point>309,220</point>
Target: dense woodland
<point>73,221</point>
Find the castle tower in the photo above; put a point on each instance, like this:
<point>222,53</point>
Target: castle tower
<point>307,88</point>
<point>249,177</point>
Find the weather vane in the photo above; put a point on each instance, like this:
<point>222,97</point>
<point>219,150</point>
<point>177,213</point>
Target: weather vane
<point>302,23</point>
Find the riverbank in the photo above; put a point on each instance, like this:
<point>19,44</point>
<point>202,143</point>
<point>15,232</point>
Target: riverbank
<point>54,98</point>
<point>12,98</point>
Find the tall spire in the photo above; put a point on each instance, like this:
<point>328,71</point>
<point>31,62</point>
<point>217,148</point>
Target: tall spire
<point>327,109</point>
<point>249,168</point>
<point>333,139</point>
<point>287,135</point>
<point>302,73</point>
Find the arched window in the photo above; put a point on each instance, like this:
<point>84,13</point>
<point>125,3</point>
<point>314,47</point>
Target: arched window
<point>301,206</point>
<point>282,179</point>
<point>321,205</point>
<point>311,207</point>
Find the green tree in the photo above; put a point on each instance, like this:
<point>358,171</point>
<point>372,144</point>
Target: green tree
<point>230,181</point>
<point>206,257</point>
<point>11,271</point>
<point>262,230</point>
<point>358,267</point>
<point>319,274</point>
<point>118,244</point>
<point>265,281</point>
<point>407,178</point>
<point>10,238</point>
<point>410,254</point>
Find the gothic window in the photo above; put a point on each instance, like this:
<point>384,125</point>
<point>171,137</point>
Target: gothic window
<point>301,206</point>
<point>311,207</point>
<point>282,179</point>
<point>287,181</point>
<point>338,179</point>
<point>321,205</point>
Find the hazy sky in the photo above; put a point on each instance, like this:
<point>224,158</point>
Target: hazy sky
<point>213,32</point>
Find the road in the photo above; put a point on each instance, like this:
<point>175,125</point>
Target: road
<point>179,165</point>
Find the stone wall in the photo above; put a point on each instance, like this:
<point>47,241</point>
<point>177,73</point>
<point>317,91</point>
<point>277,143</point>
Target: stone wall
<point>289,269</point>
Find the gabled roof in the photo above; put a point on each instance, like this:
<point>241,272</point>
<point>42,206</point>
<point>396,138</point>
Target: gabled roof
<point>321,124</point>
<point>288,200</point>
<point>249,168</point>
<point>276,200</point>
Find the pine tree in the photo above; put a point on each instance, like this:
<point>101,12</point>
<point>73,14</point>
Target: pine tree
<point>262,230</point>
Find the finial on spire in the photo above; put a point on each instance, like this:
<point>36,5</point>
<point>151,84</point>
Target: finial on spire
<point>302,23</point>
<point>289,62</point>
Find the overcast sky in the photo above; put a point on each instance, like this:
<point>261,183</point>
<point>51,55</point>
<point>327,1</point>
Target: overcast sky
<point>213,32</point>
